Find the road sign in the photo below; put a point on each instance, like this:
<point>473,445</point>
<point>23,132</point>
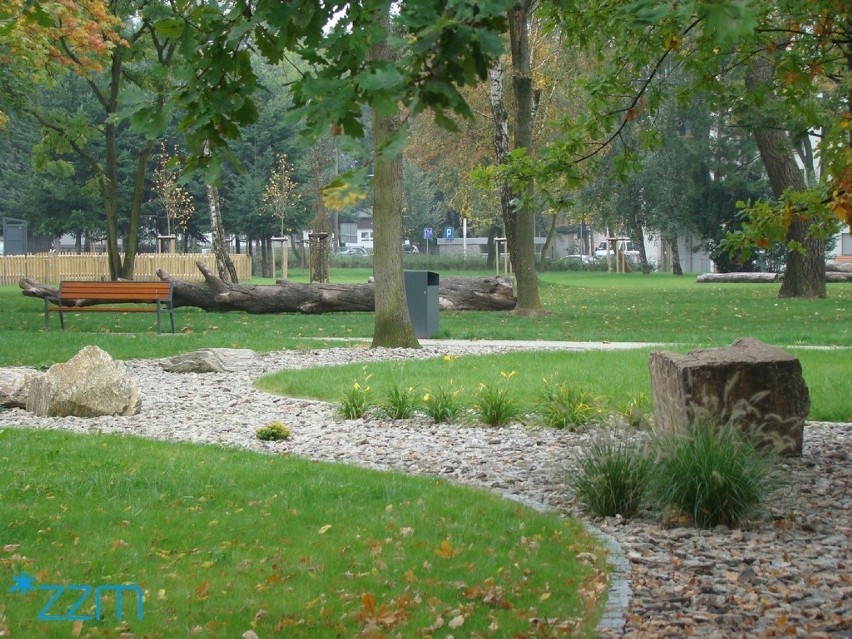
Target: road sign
<point>427,233</point>
<point>448,233</point>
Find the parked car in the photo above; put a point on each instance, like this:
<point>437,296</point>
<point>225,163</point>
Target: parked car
<point>583,259</point>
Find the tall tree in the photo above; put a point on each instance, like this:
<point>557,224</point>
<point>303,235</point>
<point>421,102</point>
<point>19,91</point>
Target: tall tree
<point>448,44</point>
<point>393,324</point>
<point>128,71</point>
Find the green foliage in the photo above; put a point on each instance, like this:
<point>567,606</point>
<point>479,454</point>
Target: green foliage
<point>611,475</point>
<point>442,404</point>
<point>562,405</point>
<point>711,474</point>
<point>636,411</point>
<point>765,224</point>
<point>495,406</point>
<point>356,400</point>
<point>273,431</point>
<point>398,402</point>
<point>439,46</point>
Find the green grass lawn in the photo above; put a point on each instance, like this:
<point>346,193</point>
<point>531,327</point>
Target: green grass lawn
<point>613,377</point>
<point>581,307</point>
<point>223,541</point>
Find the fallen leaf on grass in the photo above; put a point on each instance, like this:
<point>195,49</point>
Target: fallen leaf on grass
<point>203,590</point>
<point>456,622</point>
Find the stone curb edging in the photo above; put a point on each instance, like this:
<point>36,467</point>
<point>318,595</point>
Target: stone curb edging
<point>618,596</point>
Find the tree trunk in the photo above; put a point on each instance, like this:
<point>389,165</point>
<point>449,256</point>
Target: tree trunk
<point>501,152</point>
<point>520,234</point>
<point>392,324</point>
<point>491,260</point>
<point>265,267</point>
<point>804,275</point>
<point>215,294</point>
<point>224,264</point>
<point>675,251</point>
<point>551,232</point>
<point>637,236</point>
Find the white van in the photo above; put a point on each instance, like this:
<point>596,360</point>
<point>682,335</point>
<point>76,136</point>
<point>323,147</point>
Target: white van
<point>624,246</point>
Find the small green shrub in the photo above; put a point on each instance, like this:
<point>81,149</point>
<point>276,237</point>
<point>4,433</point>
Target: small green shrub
<point>562,406</point>
<point>495,406</point>
<point>272,432</point>
<point>356,400</point>
<point>398,402</point>
<point>637,410</point>
<point>711,473</point>
<point>442,405</point>
<point>611,476</point>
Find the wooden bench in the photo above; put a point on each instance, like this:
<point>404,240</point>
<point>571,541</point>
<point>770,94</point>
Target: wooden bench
<point>72,293</point>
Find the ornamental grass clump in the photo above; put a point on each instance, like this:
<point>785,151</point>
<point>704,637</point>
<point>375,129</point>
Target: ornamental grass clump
<point>398,402</point>
<point>442,405</point>
<point>712,473</point>
<point>637,411</point>
<point>495,406</point>
<point>356,400</point>
<point>564,406</point>
<point>611,476</point>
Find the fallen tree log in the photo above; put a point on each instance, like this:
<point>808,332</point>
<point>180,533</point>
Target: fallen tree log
<point>739,277</point>
<point>765,278</point>
<point>835,266</point>
<point>214,294</point>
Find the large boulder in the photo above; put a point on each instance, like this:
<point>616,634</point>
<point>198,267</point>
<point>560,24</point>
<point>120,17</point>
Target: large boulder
<point>90,384</point>
<point>15,386</point>
<point>757,386</point>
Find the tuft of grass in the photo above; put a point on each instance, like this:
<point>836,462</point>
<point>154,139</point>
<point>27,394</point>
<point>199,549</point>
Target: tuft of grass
<point>495,406</point>
<point>214,536</point>
<point>442,404</point>
<point>398,402</point>
<point>564,406</point>
<point>357,398</point>
<point>637,410</point>
<point>711,473</point>
<point>611,475</point>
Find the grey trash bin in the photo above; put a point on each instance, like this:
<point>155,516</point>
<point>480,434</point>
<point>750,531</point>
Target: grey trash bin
<point>421,291</point>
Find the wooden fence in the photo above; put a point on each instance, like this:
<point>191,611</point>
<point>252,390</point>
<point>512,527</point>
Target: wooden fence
<point>50,268</point>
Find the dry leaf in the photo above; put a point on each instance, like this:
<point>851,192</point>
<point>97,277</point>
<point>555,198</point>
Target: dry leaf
<point>445,550</point>
<point>324,529</point>
<point>119,543</point>
<point>76,628</point>
<point>202,591</point>
<point>456,622</point>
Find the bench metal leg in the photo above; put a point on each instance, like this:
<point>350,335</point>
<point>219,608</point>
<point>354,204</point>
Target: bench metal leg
<point>172,317</point>
<point>158,318</point>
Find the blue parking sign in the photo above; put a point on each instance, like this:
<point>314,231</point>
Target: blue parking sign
<point>427,233</point>
<point>448,233</point>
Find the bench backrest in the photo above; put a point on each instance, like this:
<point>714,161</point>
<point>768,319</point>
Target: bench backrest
<point>118,291</point>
